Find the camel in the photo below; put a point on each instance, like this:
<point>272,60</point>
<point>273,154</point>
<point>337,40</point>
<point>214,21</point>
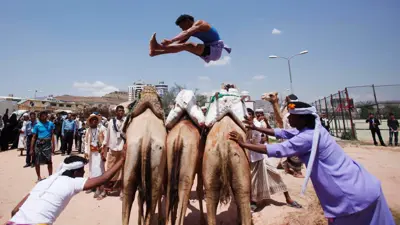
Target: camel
<point>185,147</point>
<point>225,164</point>
<point>272,97</point>
<point>145,157</point>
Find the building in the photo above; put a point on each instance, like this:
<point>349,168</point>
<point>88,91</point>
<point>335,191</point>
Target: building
<point>161,88</point>
<point>137,87</point>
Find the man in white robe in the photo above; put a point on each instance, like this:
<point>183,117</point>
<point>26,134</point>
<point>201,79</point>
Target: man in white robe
<point>94,143</point>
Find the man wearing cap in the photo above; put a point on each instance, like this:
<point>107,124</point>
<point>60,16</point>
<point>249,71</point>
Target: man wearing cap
<point>347,192</point>
<point>94,143</point>
<point>48,198</point>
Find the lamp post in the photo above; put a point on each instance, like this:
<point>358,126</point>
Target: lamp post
<point>288,61</point>
<point>35,91</point>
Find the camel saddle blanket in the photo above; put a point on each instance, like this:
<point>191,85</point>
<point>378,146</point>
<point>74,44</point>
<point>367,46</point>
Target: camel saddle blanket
<point>185,102</point>
<point>227,102</point>
<point>149,98</point>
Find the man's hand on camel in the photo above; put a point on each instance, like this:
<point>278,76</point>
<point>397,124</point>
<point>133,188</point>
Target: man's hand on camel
<point>236,137</point>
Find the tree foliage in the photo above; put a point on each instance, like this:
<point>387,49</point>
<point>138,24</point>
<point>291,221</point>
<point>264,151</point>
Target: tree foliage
<point>365,108</point>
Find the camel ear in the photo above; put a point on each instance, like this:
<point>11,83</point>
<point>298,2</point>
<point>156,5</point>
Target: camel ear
<point>276,93</point>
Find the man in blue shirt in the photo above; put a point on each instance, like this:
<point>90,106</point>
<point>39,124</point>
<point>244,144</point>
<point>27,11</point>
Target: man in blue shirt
<point>68,133</point>
<point>30,159</point>
<point>43,143</point>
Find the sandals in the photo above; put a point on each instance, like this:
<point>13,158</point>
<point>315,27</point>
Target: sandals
<point>294,204</point>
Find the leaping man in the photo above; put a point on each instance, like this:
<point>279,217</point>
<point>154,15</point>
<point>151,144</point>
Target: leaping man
<point>210,50</point>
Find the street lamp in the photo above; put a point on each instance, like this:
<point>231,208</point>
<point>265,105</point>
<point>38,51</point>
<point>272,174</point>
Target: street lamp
<point>288,60</point>
<point>36,91</point>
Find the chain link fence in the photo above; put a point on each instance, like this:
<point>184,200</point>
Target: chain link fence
<point>346,111</point>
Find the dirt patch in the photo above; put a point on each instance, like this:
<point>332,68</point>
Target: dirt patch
<point>312,215</point>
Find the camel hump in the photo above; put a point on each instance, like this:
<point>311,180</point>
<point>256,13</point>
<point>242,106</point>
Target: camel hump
<point>149,99</point>
<point>185,104</point>
<point>227,103</point>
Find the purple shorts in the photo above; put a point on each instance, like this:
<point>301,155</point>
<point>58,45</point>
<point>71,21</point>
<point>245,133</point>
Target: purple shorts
<point>215,51</point>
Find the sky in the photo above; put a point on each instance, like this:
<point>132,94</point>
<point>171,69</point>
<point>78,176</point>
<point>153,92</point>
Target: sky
<point>93,47</point>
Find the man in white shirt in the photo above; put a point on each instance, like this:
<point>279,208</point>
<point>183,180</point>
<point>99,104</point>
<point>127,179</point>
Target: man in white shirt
<point>113,144</point>
<point>49,197</point>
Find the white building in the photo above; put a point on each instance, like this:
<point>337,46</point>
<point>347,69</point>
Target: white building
<point>137,87</point>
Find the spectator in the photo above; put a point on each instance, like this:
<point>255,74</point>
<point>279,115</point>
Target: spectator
<point>393,125</point>
<point>30,158</point>
<point>374,128</point>
<point>68,132</point>
<point>42,144</point>
<point>57,131</point>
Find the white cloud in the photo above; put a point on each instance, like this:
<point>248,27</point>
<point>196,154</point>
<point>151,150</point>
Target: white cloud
<point>259,77</point>
<point>96,88</point>
<point>205,78</point>
<point>276,31</point>
<point>223,61</point>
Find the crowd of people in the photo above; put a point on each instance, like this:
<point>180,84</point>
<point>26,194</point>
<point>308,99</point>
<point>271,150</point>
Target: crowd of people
<point>44,134</point>
<point>103,144</point>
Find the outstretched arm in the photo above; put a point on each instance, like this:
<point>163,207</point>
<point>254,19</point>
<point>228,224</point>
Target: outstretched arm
<point>16,209</point>
<point>97,181</point>
<point>197,26</point>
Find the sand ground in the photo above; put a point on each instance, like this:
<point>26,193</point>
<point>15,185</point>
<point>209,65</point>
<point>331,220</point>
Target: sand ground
<point>83,209</point>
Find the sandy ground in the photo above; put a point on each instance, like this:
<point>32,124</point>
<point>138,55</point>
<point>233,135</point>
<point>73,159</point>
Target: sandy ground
<point>16,182</point>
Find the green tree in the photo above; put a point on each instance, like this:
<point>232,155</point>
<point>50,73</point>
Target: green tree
<point>365,108</point>
<point>390,108</point>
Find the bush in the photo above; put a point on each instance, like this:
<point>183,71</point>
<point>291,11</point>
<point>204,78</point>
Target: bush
<point>347,135</point>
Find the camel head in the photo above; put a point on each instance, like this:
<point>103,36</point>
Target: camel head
<point>270,97</point>
<point>185,101</point>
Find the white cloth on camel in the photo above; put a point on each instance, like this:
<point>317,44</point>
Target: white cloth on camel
<point>185,101</point>
<point>228,102</point>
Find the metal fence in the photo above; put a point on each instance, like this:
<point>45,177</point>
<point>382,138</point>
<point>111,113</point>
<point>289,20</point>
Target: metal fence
<point>347,110</point>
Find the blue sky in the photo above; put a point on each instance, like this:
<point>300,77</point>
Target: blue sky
<point>52,45</point>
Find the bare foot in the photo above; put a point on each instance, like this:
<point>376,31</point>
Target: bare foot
<point>153,45</point>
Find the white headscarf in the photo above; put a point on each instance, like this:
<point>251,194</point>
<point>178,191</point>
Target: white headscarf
<point>309,111</point>
<point>61,169</point>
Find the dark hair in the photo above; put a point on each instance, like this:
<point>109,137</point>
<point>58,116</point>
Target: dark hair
<point>184,17</point>
<point>43,113</point>
<point>32,113</point>
<point>72,159</point>
<point>391,114</point>
<point>250,111</point>
<point>119,107</point>
<point>309,120</point>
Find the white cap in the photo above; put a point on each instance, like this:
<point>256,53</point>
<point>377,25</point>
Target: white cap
<point>260,110</point>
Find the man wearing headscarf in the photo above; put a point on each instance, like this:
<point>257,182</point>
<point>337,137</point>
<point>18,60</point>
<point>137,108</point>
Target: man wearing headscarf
<point>49,197</point>
<point>94,144</point>
<point>292,165</point>
<point>347,192</point>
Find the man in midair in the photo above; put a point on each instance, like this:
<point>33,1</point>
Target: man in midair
<point>210,50</point>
